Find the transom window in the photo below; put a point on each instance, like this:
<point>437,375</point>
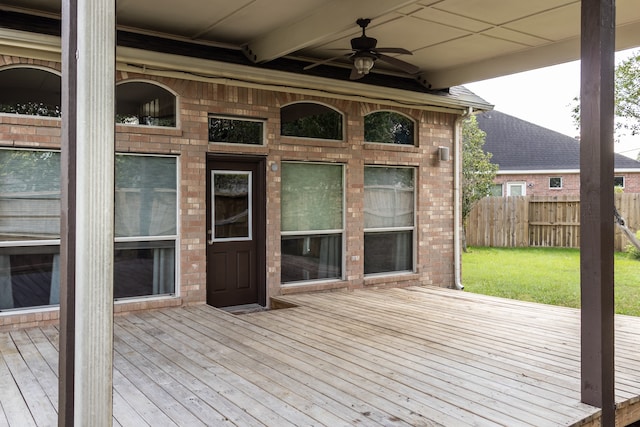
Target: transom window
<point>145,227</point>
<point>30,91</point>
<point>312,203</point>
<point>389,127</point>
<point>389,219</point>
<point>236,130</point>
<point>141,103</point>
<point>311,120</point>
<point>555,182</point>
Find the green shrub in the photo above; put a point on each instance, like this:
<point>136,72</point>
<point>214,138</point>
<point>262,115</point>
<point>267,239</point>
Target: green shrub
<point>632,250</point>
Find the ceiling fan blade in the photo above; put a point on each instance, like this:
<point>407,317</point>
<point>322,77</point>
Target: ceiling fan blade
<point>325,61</point>
<point>398,63</point>
<point>393,50</point>
<point>355,75</point>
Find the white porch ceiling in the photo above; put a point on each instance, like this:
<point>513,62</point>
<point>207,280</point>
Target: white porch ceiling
<point>453,41</point>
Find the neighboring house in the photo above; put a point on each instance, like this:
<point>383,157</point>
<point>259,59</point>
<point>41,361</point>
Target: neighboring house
<point>534,160</point>
<point>231,191</point>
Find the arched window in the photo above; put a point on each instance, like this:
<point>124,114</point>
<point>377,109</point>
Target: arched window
<point>30,91</point>
<point>141,103</point>
<point>311,120</point>
<point>389,127</point>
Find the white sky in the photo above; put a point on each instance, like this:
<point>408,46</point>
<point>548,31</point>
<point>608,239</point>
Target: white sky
<point>544,97</point>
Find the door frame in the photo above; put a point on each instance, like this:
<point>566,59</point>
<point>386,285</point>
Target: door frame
<point>259,212</point>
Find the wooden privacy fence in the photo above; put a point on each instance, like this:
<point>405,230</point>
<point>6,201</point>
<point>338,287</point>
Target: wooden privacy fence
<point>522,221</point>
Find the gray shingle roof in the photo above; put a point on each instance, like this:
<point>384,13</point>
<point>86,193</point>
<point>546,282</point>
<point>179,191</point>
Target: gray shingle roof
<point>518,145</point>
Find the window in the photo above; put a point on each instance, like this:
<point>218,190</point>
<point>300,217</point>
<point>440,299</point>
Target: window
<point>30,91</point>
<point>618,181</point>
<point>389,219</point>
<point>236,131</point>
<point>516,189</point>
<point>29,228</point>
<point>145,227</point>
<point>140,103</point>
<point>388,127</point>
<point>310,120</point>
<point>496,190</point>
<point>312,221</point>
<point>555,182</point>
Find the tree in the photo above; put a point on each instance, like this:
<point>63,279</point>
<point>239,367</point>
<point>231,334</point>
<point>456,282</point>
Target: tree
<point>627,97</point>
<point>477,170</point>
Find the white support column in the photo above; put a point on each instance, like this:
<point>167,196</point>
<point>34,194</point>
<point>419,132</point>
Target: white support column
<point>93,402</point>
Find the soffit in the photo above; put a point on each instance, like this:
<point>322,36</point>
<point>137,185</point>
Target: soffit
<point>453,41</point>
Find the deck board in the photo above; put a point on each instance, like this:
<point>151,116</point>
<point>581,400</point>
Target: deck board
<point>419,356</point>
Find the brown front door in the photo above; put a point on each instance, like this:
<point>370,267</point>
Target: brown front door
<point>236,231</point>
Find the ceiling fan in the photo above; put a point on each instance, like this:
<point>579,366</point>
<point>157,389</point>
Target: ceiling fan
<point>364,54</point>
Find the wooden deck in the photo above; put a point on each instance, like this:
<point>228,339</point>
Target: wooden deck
<point>395,357</point>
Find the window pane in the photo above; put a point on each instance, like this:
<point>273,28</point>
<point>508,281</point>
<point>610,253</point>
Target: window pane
<point>29,276</point>
<point>232,195</point>
<point>387,252</point>
<point>496,190</point>
<point>388,127</point>
<point>311,197</point>
<point>140,103</point>
<point>555,182</point>
<point>30,91</point>
<point>145,196</point>
<point>144,268</point>
<point>388,197</point>
<point>311,257</point>
<point>29,195</point>
<point>618,181</point>
<point>235,131</point>
<point>309,120</point>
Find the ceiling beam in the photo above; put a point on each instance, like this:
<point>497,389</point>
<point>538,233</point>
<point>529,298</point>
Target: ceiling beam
<point>332,18</point>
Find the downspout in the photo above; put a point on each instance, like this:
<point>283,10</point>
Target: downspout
<point>457,203</point>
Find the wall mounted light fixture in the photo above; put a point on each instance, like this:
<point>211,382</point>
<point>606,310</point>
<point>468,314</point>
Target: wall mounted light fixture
<point>443,154</point>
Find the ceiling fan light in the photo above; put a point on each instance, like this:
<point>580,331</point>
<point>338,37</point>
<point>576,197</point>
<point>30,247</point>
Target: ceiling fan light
<point>363,64</point>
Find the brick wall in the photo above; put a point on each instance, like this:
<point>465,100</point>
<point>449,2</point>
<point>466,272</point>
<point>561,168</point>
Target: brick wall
<point>538,185</point>
<point>196,100</point>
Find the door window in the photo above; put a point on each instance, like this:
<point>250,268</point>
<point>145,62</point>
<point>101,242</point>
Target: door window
<point>231,205</point>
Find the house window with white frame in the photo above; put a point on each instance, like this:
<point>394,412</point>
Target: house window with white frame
<point>516,188</point>
<point>145,226</point>
<point>389,220</point>
<point>555,183</point>
<point>618,181</point>
<point>495,190</point>
<point>312,218</point>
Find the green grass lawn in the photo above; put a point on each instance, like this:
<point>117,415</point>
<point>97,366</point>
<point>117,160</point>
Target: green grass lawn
<point>545,275</point>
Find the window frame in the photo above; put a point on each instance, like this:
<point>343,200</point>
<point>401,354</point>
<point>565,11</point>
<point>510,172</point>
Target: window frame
<point>311,138</point>
<point>521,184</point>
<point>263,122</point>
<point>411,228</point>
<point>176,98</point>
<point>623,181</point>
<point>496,187</point>
<point>414,133</point>
<point>559,187</point>
<point>311,233</point>
<point>49,243</point>
<point>38,68</point>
